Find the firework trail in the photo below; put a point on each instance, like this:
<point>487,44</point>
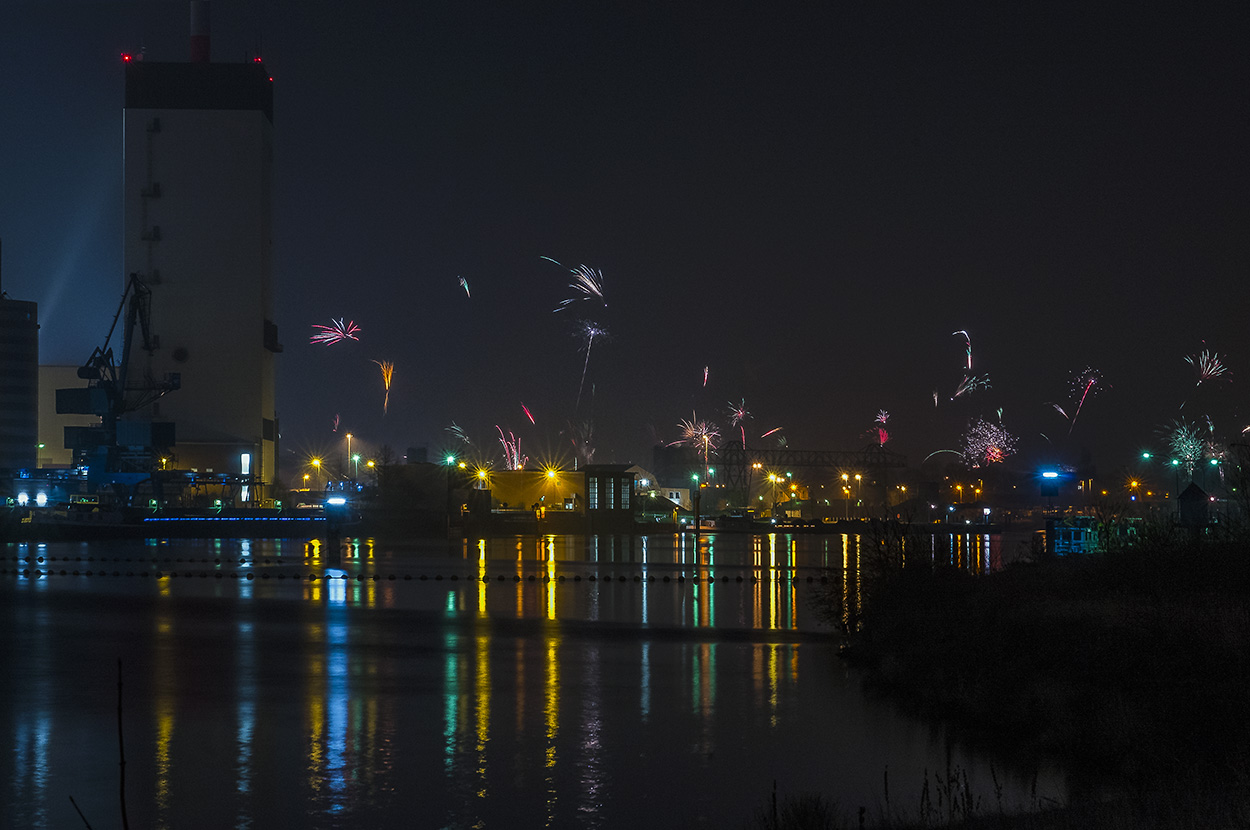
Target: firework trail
<point>771,431</point>
<point>1084,384</point>
<point>968,341</point>
<point>336,332</point>
<point>526,409</point>
<point>738,414</point>
<point>987,443</point>
<point>588,331</point>
<point>696,433</point>
<point>512,458</point>
<point>705,373</point>
<point>586,280</point>
<point>970,384</point>
<point>1208,366</point>
<point>388,369</point>
<point>457,432</point>
<point>335,421</point>
<point>465,285</point>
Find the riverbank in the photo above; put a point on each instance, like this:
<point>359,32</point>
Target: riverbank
<point>1129,668</point>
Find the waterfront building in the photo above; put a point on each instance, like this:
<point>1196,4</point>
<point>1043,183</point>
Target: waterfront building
<point>19,383</point>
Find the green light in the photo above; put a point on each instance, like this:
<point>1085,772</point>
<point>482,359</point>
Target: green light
<point>1214,461</point>
<point>694,476</point>
<point>1145,455</point>
<point>451,459</point>
<point>1175,463</point>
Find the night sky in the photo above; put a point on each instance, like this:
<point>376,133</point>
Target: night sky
<point>808,200</point>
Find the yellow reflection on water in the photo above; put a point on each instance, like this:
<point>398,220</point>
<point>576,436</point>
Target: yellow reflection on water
<point>772,581</point>
<point>164,677</point>
<point>549,587</point>
<point>481,578</point>
<point>482,702</point>
<point>773,682</point>
<point>315,714</point>
<point>551,713</point>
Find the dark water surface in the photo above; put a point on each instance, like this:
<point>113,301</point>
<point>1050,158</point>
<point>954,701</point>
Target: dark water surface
<point>518,682</point>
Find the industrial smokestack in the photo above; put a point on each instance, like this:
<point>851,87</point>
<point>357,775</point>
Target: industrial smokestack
<point>199,31</point>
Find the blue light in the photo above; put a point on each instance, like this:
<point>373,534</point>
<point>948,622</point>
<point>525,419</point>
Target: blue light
<point>337,501</point>
<point>1050,475</point>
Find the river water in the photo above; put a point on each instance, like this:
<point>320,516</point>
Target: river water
<point>507,682</point>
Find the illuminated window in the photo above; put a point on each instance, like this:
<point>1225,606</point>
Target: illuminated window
<point>592,493</point>
<point>625,498</point>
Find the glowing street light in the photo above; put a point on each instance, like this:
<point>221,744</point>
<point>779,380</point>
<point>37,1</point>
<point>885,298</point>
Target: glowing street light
<point>316,462</point>
<point>356,461</point>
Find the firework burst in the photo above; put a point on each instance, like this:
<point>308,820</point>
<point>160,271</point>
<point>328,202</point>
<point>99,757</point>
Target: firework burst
<point>588,332</point>
<point>968,342</point>
<point>456,432</point>
<point>738,415</point>
<point>879,430</point>
<point>970,384</point>
<point>986,442</point>
<point>1186,444</point>
<point>465,285</point>
<point>587,282</point>
<point>388,369</point>
<point>336,332</point>
<point>1084,384</point>
<point>703,435</point>
<point>582,436</point>
<point>1208,366</point>
<point>512,458</point>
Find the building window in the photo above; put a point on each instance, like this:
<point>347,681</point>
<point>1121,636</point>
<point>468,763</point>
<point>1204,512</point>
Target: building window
<point>592,493</point>
<point>611,493</point>
<point>625,498</point>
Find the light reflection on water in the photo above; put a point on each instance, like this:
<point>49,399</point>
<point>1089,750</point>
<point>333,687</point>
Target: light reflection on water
<point>478,702</point>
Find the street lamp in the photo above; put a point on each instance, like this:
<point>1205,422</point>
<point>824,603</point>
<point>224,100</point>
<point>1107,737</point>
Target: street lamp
<point>859,493</point>
<point>356,461</point>
<point>316,462</point>
<point>960,489</point>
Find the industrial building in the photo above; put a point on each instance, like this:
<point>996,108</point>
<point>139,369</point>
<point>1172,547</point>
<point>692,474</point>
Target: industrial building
<point>197,204</point>
<point>19,383</point>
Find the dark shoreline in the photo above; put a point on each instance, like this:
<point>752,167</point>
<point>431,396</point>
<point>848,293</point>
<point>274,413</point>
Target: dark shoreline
<point>1131,668</point>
